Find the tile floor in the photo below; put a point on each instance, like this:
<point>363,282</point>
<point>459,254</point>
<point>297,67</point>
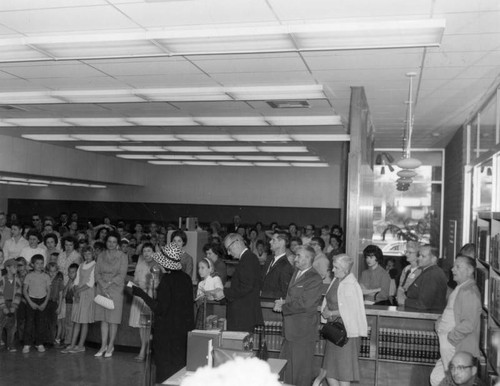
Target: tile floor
<point>52,368</point>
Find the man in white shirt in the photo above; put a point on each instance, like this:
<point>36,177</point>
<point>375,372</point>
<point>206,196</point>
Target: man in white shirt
<point>13,246</point>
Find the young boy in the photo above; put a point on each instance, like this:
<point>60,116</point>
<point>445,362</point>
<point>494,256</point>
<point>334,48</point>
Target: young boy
<point>10,298</point>
<point>36,290</point>
<point>54,304</point>
<point>68,294</point>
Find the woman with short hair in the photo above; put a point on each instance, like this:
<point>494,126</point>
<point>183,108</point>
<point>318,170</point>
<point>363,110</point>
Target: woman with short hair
<point>344,299</point>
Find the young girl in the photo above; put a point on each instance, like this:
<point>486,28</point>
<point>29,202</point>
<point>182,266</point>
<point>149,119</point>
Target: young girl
<point>143,279</point>
<point>209,282</point>
<point>83,306</point>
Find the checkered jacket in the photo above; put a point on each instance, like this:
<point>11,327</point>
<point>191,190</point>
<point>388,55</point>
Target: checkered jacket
<point>17,292</point>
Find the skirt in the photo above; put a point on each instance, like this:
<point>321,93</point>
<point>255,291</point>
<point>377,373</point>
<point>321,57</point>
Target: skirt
<point>341,363</point>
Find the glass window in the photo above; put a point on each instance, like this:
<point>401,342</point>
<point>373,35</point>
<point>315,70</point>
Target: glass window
<point>487,127</point>
<point>473,140</point>
<point>414,214</point>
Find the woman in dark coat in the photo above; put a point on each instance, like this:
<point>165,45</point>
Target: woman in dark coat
<point>173,313</point>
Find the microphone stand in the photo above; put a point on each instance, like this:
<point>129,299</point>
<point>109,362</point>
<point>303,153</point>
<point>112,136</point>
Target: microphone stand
<point>149,374</point>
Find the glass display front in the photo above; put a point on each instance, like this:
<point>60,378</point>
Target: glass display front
<point>415,214</point>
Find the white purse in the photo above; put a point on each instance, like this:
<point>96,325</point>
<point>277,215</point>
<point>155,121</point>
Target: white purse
<point>105,302</point>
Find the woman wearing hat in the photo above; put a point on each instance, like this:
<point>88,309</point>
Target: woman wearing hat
<point>173,313</point>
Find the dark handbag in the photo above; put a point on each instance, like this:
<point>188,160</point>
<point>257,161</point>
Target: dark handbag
<point>335,332</point>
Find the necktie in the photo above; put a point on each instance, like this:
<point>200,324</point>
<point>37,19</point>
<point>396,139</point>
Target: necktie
<point>406,277</point>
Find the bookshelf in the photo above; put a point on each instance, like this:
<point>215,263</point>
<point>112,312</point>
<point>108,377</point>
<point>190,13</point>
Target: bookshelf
<point>487,239</point>
<point>401,347</point>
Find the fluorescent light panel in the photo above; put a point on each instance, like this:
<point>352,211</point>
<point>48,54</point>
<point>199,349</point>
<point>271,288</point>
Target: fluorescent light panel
<point>188,94</point>
<point>206,137</point>
<point>283,149</point>
<point>302,120</point>
<point>222,39</point>
<point>43,183</point>
<point>262,137</point>
<point>136,156</point>
<point>189,149</point>
<point>49,137</point>
<point>235,149</point>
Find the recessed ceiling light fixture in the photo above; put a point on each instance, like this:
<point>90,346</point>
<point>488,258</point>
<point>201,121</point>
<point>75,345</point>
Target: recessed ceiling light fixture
<point>300,120</point>
<point>291,94</point>
<point>324,35</point>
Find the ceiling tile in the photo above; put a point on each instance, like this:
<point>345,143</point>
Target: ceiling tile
<point>326,9</point>
<point>189,13</point>
<point>89,19</point>
<point>156,66</point>
<point>224,65</point>
<point>170,80</point>
<point>88,83</point>
<point>53,70</point>
<point>26,5</point>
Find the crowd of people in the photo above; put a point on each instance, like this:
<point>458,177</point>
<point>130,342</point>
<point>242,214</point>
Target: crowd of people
<point>54,272</point>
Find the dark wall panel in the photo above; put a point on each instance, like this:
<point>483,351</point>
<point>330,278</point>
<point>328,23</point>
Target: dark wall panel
<point>129,211</point>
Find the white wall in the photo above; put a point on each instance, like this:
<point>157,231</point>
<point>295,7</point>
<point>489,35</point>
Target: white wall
<point>253,186</point>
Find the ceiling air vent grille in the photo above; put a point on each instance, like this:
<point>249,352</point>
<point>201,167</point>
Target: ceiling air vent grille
<point>289,104</point>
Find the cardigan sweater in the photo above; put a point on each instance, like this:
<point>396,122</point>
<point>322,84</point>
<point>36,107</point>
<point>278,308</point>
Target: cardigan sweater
<point>351,307</point>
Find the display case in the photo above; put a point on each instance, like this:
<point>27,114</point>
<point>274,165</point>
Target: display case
<point>401,347</point>
<point>487,241</point>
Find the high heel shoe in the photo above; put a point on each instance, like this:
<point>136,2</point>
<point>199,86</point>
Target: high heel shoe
<point>101,352</point>
<point>109,352</point>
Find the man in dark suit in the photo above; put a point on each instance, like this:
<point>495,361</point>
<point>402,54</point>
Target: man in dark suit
<point>300,319</point>
<point>243,301</point>
<point>277,270</point>
<point>428,291</point>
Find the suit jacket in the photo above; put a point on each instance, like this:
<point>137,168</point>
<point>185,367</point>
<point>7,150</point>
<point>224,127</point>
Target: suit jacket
<point>243,307</point>
<point>467,312</point>
<point>300,310</point>
<point>275,282</point>
<point>428,291</point>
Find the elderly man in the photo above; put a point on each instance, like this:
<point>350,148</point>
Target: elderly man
<point>277,270</point>
<point>300,319</point>
<point>428,291</point>
<point>243,301</point>
<point>462,371</point>
<point>458,327</point>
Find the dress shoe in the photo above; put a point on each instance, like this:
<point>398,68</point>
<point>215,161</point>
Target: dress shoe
<point>109,353</point>
<point>101,352</point>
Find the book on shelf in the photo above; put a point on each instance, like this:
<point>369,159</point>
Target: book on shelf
<point>494,306</point>
<point>483,244</point>
<point>494,251</point>
<point>482,279</point>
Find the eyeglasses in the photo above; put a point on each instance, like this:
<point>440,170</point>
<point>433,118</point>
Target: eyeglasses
<point>309,229</point>
<point>459,367</point>
<point>20,265</point>
<point>35,219</point>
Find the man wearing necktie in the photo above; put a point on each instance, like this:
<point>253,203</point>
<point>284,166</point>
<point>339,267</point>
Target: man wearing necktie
<point>300,318</point>
<point>277,270</point>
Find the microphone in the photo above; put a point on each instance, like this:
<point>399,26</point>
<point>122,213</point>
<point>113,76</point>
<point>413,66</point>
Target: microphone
<point>155,272</point>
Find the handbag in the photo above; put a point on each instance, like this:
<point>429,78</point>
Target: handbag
<point>105,302</point>
<point>335,332</point>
